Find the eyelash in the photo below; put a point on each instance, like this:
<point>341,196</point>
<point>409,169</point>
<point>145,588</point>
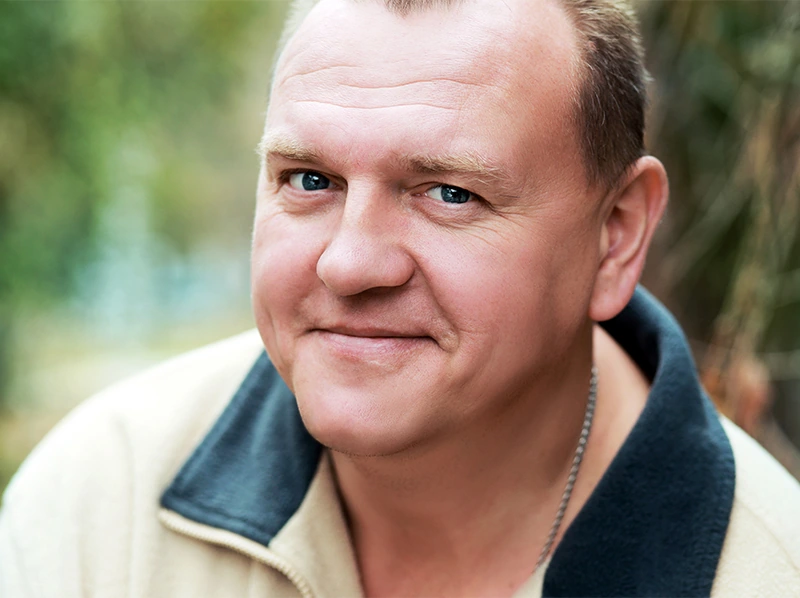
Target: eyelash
<point>284,176</point>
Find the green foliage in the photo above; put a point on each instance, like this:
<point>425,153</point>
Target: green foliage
<point>101,101</point>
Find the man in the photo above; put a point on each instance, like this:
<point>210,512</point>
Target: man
<point>452,194</point>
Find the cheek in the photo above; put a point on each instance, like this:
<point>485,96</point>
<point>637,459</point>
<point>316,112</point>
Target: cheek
<point>283,272</point>
<point>277,252</point>
<point>521,292</point>
<point>285,250</point>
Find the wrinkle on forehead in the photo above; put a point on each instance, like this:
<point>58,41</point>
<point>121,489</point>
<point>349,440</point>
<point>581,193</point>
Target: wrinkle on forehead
<point>367,86</point>
<point>503,44</point>
<point>378,105</point>
<point>346,67</point>
<point>326,86</point>
<point>363,44</point>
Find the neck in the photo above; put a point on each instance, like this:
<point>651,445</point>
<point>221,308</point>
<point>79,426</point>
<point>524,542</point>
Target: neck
<point>470,513</point>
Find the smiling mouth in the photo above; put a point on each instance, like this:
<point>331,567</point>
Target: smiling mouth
<point>370,333</point>
<point>371,343</point>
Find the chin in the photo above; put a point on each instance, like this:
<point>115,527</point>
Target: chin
<point>354,424</point>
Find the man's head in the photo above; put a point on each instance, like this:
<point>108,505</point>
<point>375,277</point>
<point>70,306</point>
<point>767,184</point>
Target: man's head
<point>431,244</point>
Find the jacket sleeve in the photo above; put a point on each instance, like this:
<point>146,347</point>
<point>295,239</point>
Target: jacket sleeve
<point>14,581</point>
<point>80,517</point>
<point>30,565</point>
<point>64,529</point>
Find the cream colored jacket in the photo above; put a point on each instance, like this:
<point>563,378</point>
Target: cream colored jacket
<point>82,518</point>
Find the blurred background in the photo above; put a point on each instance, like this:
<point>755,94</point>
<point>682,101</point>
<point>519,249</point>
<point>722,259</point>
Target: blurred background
<point>127,176</point>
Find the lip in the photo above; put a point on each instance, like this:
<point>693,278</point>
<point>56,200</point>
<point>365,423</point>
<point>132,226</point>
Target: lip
<point>370,343</point>
<point>370,332</point>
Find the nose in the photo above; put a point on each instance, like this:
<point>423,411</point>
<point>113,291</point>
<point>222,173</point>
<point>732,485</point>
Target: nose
<point>365,251</point>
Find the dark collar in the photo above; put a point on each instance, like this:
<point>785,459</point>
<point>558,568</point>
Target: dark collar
<point>654,525</point>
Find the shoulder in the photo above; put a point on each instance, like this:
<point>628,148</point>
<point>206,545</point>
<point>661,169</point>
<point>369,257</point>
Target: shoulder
<point>110,459</point>
<point>160,414</point>
<point>761,554</point>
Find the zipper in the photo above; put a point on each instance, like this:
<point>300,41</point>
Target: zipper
<point>240,544</point>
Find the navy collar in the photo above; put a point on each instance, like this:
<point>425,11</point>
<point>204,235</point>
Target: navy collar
<point>653,526</point>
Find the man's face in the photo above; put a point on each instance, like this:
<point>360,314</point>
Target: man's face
<point>425,244</point>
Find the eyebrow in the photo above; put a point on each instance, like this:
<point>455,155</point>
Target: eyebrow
<point>286,147</point>
<point>470,165</point>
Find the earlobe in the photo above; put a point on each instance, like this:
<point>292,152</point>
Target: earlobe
<point>628,228</point>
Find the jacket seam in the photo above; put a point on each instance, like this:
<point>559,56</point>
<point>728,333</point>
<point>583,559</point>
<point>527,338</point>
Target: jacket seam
<point>201,505</point>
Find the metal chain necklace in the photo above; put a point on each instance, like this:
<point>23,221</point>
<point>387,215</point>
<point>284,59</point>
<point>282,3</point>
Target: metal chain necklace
<point>573,472</point>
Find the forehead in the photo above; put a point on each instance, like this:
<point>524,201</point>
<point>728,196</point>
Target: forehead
<point>505,66</point>
<point>365,34</point>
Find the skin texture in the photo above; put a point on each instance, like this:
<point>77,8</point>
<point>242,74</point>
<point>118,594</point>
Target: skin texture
<point>443,350</point>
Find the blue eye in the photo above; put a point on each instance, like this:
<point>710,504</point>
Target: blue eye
<point>450,194</point>
<point>308,180</point>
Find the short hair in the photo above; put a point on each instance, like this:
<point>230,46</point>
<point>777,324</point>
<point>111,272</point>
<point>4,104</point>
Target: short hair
<point>610,106</point>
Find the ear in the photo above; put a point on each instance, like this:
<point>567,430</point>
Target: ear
<point>632,215</point>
